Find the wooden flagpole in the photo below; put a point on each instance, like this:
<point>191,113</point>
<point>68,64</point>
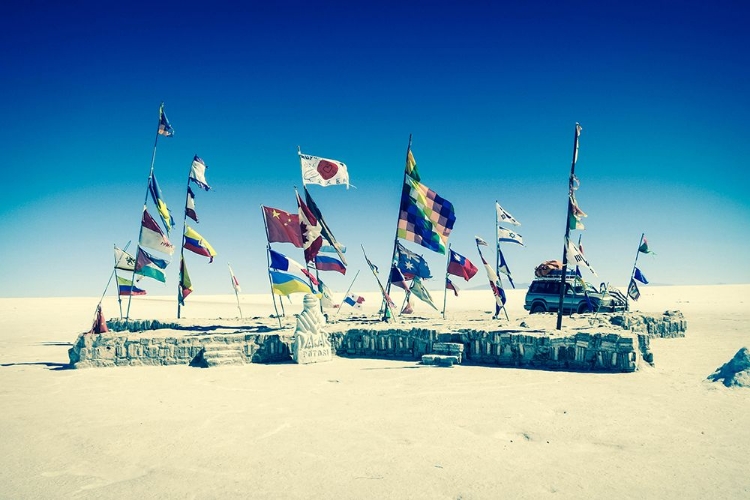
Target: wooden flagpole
<point>382,290</point>
<point>182,245</point>
<point>632,273</point>
<point>145,201</point>
<point>497,256</point>
<point>571,181</point>
<point>384,307</point>
<point>268,266</point>
<point>119,299</point>
<point>445,281</point>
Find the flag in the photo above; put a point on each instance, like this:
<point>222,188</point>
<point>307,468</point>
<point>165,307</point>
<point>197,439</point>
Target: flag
<point>640,277</point>
<point>235,283</point>
<point>578,134</point>
<point>644,247</point>
<point>123,260</point>
<point>198,173</point>
<point>373,267</point>
<point>310,230</point>
<point>286,284</point>
<point>450,286</point>
<point>186,286</point>
<point>325,231</point>
<point>323,171</point>
<point>127,287</point>
<point>480,241</point>
<point>411,264</point>
<point>100,324</point>
<point>508,236</point>
<point>397,278</point>
<point>329,263</point>
<point>461,266</point>
<point>326,296</point>
<point>331,249</point>
<point>580,280</point>
<point>575,215</point>
<point>151,235</point>
<point>495,284</point>
<point>165,128</point>
<point>149,266</point>
<point>505,217</point>
<point>281,262</point>
<point>425,217</point>
<point>282,227</point>
<point>195,243</point>
<point>633,291</point>
<point>190,205</point>
<point>575,256</point>
<point>354,300</point>
<point>411,165</point>
<point>418,289</point>
<point>161,206</point>
<point>503,266</point>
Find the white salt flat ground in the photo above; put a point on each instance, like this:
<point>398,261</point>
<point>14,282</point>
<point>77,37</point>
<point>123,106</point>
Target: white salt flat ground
<point>360,428</point>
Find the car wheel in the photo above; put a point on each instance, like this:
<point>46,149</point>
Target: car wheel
<point>583,307</point>
<point>538,307</point>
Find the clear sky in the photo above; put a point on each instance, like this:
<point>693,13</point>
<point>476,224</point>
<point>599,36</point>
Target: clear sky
<point>491,92</point>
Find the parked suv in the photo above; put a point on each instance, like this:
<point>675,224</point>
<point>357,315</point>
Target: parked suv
<point>544,296</point>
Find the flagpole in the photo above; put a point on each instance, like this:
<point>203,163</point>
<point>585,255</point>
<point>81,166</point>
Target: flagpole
<point>237,296</point>
<point>182,246</point>
<point>445,281</point>
<point>119,299</point>
<point>632,273</point>
<point>567,228</point>
<point>346,294</point>
<point>395,240</point>
<point>497,256</point>
<point>109,281</point>
<point>145,201</point>
<point>386,296</point>
<point>268,267</point>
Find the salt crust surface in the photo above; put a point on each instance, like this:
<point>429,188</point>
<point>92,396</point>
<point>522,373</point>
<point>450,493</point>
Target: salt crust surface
<point>363,428</point>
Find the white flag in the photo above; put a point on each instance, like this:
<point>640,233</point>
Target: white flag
<point>123,260</point>
<point>503,216</point>
<point>574,256</point>
<point>198,173</point>
<point>322,171</point>
<point>509,236</point>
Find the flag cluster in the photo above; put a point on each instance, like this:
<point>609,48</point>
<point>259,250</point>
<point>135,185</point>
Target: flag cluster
<point>495,284</point>
<point>504,235</point>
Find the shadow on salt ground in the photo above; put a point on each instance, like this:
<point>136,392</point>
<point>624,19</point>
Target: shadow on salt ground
<point>49,364</point>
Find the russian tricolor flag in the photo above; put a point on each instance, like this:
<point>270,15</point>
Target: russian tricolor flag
<point>329,263</point>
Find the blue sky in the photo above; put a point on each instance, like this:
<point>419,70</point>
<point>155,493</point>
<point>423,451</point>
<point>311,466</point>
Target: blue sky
<point>490,92</point>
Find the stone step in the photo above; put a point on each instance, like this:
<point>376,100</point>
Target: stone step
<point>222,354</point>
<point>440,360</point>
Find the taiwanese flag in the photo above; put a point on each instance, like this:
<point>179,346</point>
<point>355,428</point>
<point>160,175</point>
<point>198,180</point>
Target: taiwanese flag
<point>461,266</point>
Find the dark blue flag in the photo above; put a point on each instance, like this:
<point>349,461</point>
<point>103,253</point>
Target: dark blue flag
<point>640,277</point>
